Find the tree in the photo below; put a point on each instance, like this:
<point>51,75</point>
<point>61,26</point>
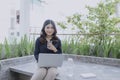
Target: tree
<point>101,21</point>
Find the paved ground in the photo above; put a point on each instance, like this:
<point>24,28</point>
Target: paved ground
<point>74,71</point>
<point>91,71</point>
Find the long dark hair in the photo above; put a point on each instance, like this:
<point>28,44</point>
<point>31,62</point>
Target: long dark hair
<point>43,34</point>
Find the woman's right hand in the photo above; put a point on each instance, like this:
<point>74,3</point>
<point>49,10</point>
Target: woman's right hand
<point>51,46</point>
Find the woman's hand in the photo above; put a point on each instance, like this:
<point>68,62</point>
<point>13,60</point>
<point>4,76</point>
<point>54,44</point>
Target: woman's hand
<point>51,46</point>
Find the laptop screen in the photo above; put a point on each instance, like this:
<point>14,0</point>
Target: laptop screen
<point>50,60</point>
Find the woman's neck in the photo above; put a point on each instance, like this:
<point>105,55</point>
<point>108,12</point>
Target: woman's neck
<point>48,37</point>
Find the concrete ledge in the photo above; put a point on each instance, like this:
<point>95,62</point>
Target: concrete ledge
<point>16,61</point>
<point>93,59</point>
<point>7,63</point>
<point>26,70</point>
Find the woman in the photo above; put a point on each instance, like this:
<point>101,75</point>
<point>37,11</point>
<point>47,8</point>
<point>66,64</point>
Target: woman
<point>48,42</point>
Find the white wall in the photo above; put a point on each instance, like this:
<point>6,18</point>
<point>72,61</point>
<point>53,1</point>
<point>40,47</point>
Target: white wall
<point>5,6</point>
<point>53,9</point>
<point>58,10</point>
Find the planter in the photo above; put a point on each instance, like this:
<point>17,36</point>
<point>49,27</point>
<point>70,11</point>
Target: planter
<point>97,60</point>
<point>6,63</point>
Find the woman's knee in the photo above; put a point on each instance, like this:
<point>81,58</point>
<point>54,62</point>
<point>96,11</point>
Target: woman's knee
<point>39,74</point>
<point>52,71</point>
<point>42,70</point>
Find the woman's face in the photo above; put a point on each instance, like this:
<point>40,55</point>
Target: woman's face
<point>49,30</point>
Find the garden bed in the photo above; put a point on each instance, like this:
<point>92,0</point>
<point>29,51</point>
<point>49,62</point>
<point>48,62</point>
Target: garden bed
<point>7,63</point>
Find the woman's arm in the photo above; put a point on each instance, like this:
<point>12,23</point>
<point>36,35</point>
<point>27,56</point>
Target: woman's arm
<point>59,48</point>
<point>55,48</point>
<point>37,49</point>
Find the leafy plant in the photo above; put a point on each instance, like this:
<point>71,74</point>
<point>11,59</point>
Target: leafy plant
<point>25,46</point>
<point>100,23</point>
<point>7,49</point>
<point>1,47</point>
<point>116,47</point>
<point>14,48</point>
<point>17,49</point>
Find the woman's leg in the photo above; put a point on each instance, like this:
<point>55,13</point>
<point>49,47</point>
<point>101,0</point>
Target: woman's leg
<point>39,74</point>
<point>51,74</point>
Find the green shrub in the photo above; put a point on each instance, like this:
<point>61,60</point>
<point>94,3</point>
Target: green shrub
<point>17,49</point>
<point>99,24</point>
<point>1,47</point>
<point>7,49</point>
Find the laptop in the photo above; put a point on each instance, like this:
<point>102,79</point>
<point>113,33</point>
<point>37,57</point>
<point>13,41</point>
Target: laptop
<point>50,60</point>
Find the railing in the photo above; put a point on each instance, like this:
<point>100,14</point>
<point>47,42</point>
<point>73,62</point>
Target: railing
<point>105,45</point>
<point>65,36</point>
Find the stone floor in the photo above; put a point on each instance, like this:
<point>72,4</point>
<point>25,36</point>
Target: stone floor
<point>74,71</point>
<point>98,72</point>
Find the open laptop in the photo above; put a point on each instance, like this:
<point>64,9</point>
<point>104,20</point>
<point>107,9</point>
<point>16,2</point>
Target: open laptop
<point>50,60</point>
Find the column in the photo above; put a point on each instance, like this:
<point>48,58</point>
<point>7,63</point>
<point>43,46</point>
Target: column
<point>24,17</point>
